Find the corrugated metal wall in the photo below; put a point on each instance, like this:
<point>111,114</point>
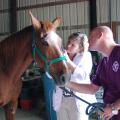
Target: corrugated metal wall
<point>108,10</point>
<point>4,18</point>
<point>74,14</point>
<point>108,13</point>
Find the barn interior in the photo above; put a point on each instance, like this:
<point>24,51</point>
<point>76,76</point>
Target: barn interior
<point>77,16</point>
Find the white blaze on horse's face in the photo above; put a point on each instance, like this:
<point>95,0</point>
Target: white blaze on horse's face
<point>52,37</point>
<point>52,44</point>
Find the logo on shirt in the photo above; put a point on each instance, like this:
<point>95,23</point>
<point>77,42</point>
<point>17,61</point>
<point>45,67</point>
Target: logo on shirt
<point>115,66</point>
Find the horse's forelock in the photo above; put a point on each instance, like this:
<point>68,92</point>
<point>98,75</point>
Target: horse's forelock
<point>47,26</point>
<point>53,37</point>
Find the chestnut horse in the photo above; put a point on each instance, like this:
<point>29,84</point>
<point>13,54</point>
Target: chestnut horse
<point>16,55</point>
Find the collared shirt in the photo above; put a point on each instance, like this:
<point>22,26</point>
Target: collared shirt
<point>82,75</point>
<point>108,76</point>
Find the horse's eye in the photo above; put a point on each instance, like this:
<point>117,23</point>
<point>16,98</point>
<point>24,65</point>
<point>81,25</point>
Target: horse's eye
<point>45,35</point>
<point>45,43</point>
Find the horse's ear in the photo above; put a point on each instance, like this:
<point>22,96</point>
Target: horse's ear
<point>36,24</point>
<point>56,22</point>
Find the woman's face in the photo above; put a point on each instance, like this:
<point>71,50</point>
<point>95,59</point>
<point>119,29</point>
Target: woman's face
<point>73,47</point>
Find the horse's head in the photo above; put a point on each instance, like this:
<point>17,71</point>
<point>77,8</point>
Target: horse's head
<point>48,52</point>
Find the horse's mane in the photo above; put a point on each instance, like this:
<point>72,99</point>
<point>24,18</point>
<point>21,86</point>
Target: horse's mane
<point>9,47</point>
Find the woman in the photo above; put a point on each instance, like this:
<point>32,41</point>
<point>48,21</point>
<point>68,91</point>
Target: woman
<point>66,106</point>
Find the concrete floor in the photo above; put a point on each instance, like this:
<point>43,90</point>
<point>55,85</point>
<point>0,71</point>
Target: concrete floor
<point>24,115</point>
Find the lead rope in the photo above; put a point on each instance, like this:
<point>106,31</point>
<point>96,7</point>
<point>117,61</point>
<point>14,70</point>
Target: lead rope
<point>91,106</point>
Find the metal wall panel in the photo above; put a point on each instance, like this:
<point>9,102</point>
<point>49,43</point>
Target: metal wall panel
<point>118,9</point>
<point>39,1</point>
<point>1,21</point>
<point>86,13</point>
<point>6,22</point>
<point>113,10</point>
<point>118,34</point>
<point>40,14</point>
<point>3,4</point>
<point>108,10</point>
<point>4,18</point>
<point>73,14</point>
<point>66,15</point>
<point>58,0</point>
<point>52,13</point>
<point>45,1</point>
<point>102,11</point>
<point>108,13</point>
<point>46,13</point>
<point>21,19</point>
<point>81,13</point>
<point>52,0</point>
<point>23,3</point>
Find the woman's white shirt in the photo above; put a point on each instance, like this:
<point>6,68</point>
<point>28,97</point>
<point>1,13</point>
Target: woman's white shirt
<point>82,75</point>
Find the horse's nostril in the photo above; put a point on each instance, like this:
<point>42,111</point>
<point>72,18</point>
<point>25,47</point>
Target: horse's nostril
<point>63,79</point>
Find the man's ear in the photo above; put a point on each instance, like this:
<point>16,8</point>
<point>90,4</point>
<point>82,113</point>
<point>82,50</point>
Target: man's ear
<point>100,35</point>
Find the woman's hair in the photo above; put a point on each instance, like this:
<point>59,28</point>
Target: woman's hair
<point>81,38</point>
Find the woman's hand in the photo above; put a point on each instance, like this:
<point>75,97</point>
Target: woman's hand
<point>71,65</point>
<point>66,55</point>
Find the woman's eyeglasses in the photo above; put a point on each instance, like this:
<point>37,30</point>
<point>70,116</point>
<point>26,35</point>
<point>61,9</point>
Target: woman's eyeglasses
<point>76,34</point>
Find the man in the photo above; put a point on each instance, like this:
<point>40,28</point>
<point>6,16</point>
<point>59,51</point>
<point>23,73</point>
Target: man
<point>108,72</point>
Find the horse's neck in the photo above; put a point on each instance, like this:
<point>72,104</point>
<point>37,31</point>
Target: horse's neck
<point>22,58</point>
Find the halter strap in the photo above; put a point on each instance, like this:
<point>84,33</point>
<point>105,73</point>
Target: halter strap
<point>37,50</point>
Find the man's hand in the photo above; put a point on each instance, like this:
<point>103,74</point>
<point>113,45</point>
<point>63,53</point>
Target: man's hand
<point>107,114</point>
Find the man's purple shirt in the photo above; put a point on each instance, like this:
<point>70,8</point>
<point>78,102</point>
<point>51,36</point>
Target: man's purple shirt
<point>108,76</point>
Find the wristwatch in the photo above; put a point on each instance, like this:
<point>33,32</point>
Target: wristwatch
<point>114,111</point>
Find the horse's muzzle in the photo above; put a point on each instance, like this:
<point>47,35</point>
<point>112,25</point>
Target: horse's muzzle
<point>64,78</point>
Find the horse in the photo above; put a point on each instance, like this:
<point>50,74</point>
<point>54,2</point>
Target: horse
<point>38,41</point>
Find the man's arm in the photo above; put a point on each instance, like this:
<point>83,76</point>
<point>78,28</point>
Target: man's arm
<point>83,88</point>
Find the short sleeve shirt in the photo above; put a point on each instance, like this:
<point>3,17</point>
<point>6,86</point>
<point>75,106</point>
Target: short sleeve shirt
<point>108,76</point>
